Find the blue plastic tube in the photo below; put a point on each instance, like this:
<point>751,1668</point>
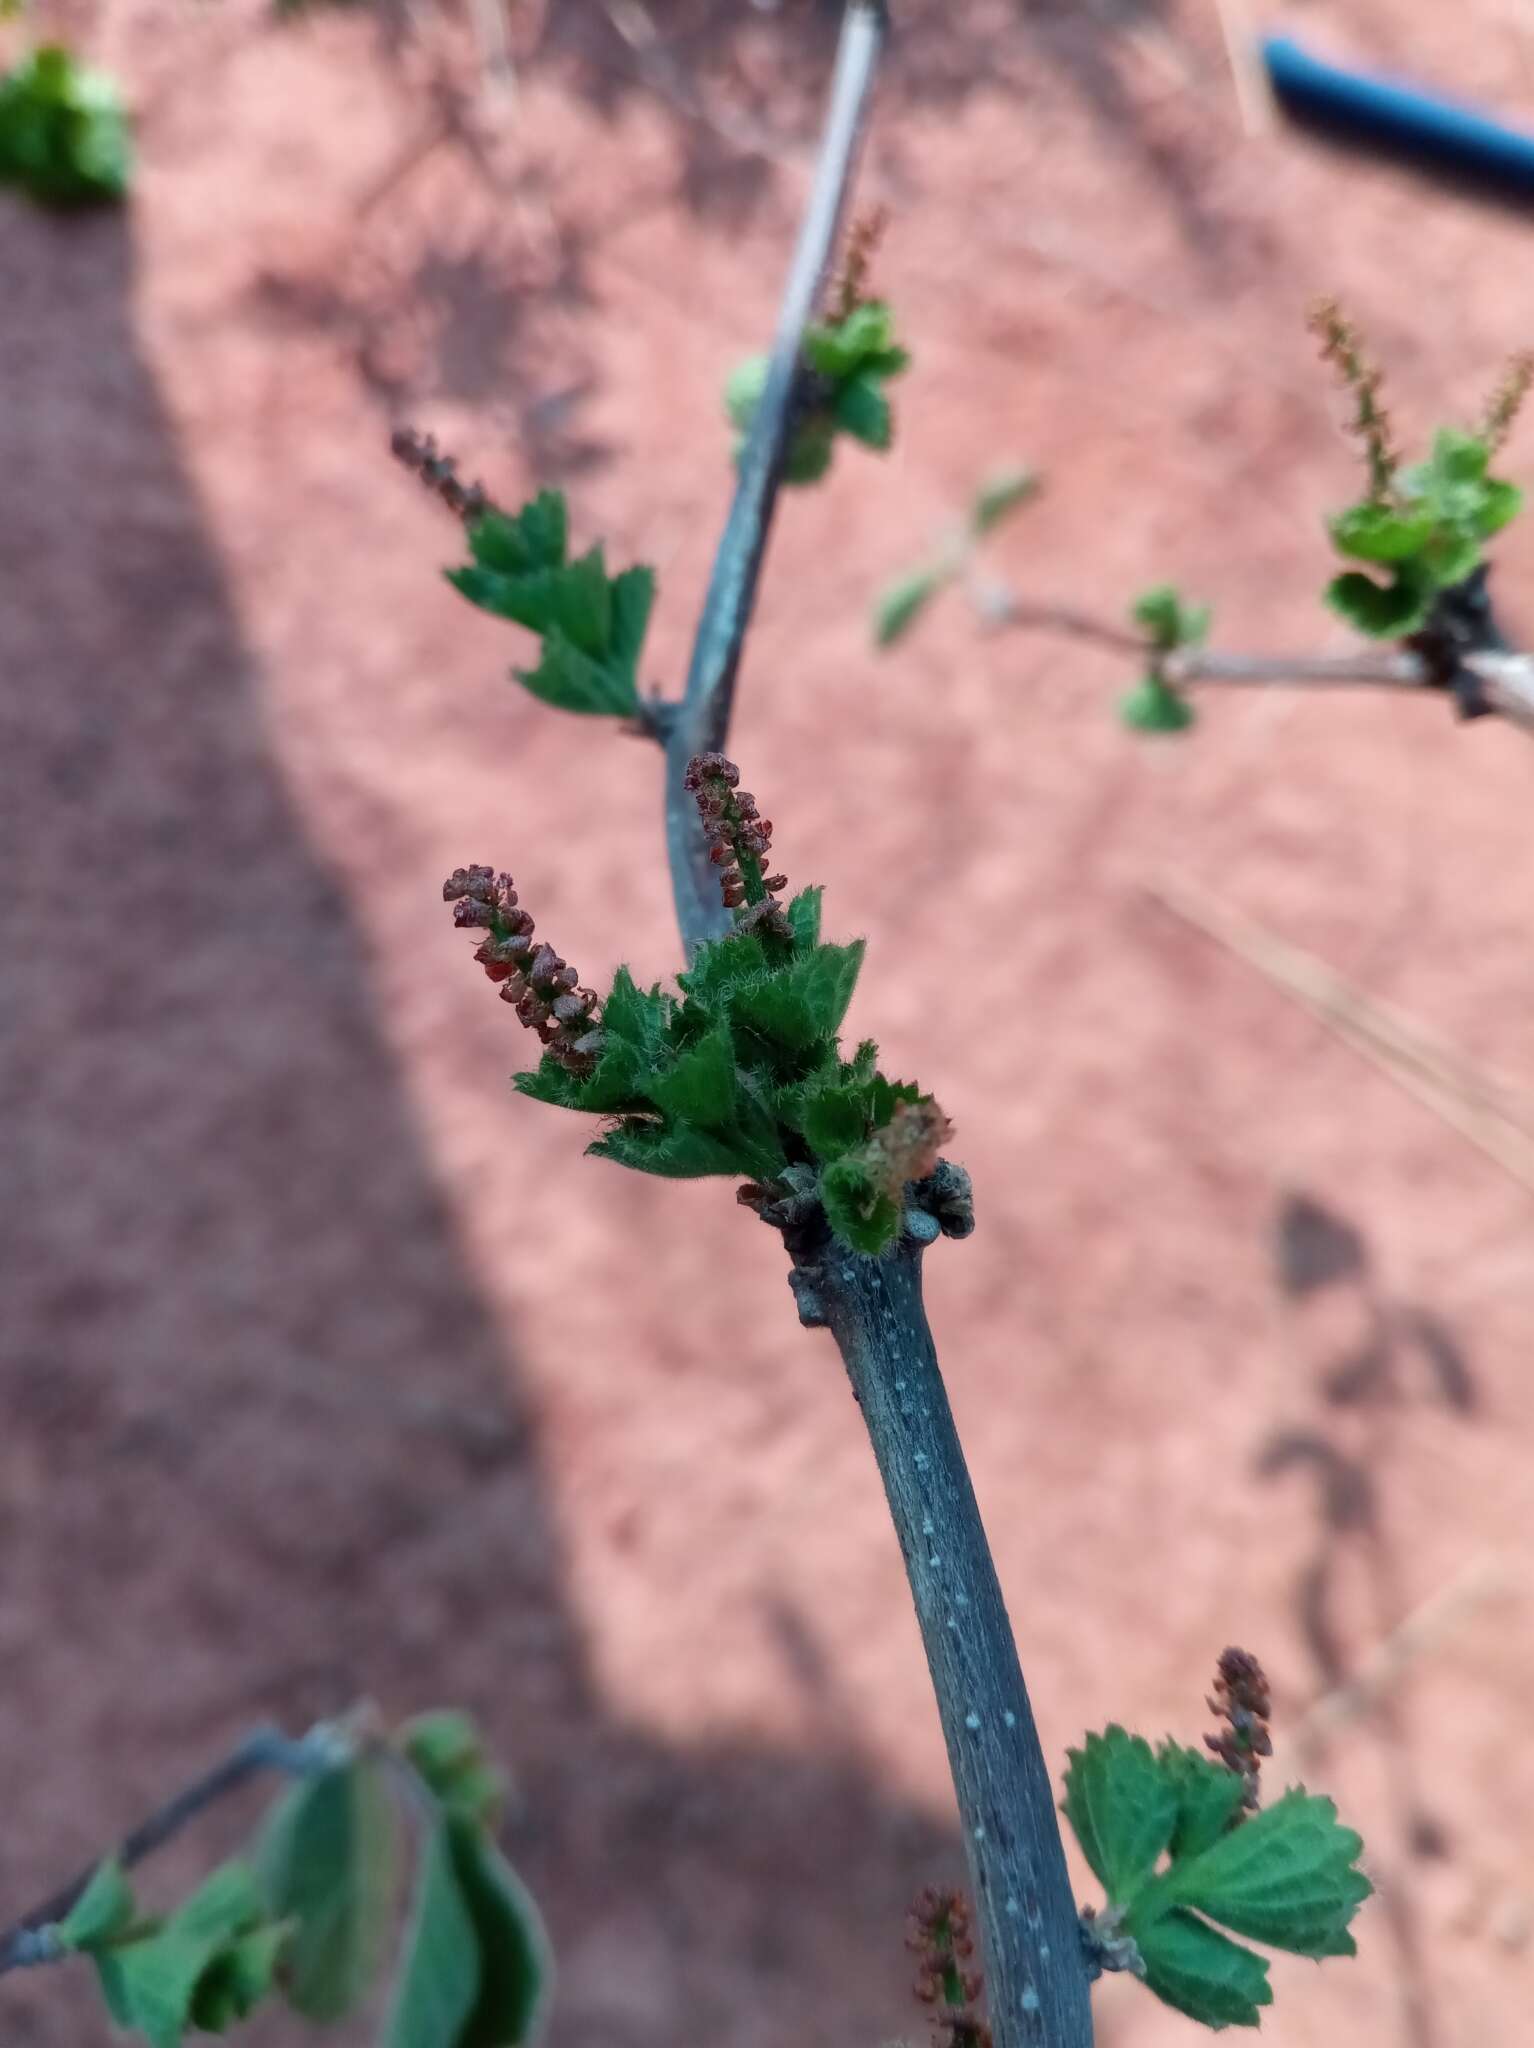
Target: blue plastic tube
<point>1400,121</point>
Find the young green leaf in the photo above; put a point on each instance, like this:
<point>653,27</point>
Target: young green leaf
<point>441,1970</point>
<point>804,917</point>
<point>1385,612</point>
<point>743,392</point>
<point>239,1977</point>
<point>862,1213</point>
<point>519,543</point>
<point>861,409</point>
<point>806,1001</point>
<point>1154,706</point>
<point>102,1911</point>
<point>810,450</point>
<point>1123,1808</point>
<point>999,496</point>
<point>515,1966</point>
<point>1286,1877</point>
<point>674,1151</point>
<point>899,606</point>
<point>699,1088</point>
<point>1379,533</point>
<point>573,681</point>
<point>63,132</point>
<point>150,1977</point>
<point>328,1861</point>
<point>1209,1797</point>
<point>1197,1971</point>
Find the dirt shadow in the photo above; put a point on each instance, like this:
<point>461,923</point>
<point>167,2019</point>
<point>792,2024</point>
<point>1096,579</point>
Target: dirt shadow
<point>263,1449</point>
<point>746,84</point>
<point>1376,1358</point>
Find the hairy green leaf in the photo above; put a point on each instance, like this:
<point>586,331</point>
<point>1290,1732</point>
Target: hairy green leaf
<point>1208,1797</point>
<point>1286,1876</point>
<point>836,1119</point>
<point>328,1862</point>
<point>674,1151</point>
<point>1196,1970</point>
<point>862,1213</point>
<point>573,681</point>
<point>699,1088</point>
<point>516,544</point>
<point>1122,1807</point>
<point>804,1002</point>
<point>804,917</point>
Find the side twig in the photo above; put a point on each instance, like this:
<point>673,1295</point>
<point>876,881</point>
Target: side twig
<point>266,1749</point>
<point>700,723</point>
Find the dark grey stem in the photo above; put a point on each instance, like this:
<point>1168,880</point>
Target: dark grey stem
<point>266,1749</point>
<point>702,720</point>
<point>1037,1976</point>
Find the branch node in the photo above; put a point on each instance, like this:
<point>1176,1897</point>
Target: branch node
<point>1105,1944</point>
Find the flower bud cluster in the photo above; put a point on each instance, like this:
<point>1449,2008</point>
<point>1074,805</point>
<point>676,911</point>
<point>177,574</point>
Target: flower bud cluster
<point>1243,1701</point>
<point>739,838</point>
<point>532,976</point>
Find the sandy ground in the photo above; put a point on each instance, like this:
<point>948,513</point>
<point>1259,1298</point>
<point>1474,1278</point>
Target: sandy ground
<point>330,1369</point>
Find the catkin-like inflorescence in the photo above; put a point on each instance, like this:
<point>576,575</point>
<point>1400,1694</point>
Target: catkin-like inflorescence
<point>738,837</point>
<point>1342,346</point>
<point>863,239</point>
<point>542,987</point>
<point>439,473</point>
<point>938,1932</point>
<point>1506,402</point>
<point>1244,1703</point>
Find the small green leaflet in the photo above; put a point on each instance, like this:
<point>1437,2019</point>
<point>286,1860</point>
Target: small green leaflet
<point>1286,1876</point>
<point>898,607</point>
<point>102,1911</point>
<point>999,496</point>
<point>1154,706</point>
<point>592,625</point>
